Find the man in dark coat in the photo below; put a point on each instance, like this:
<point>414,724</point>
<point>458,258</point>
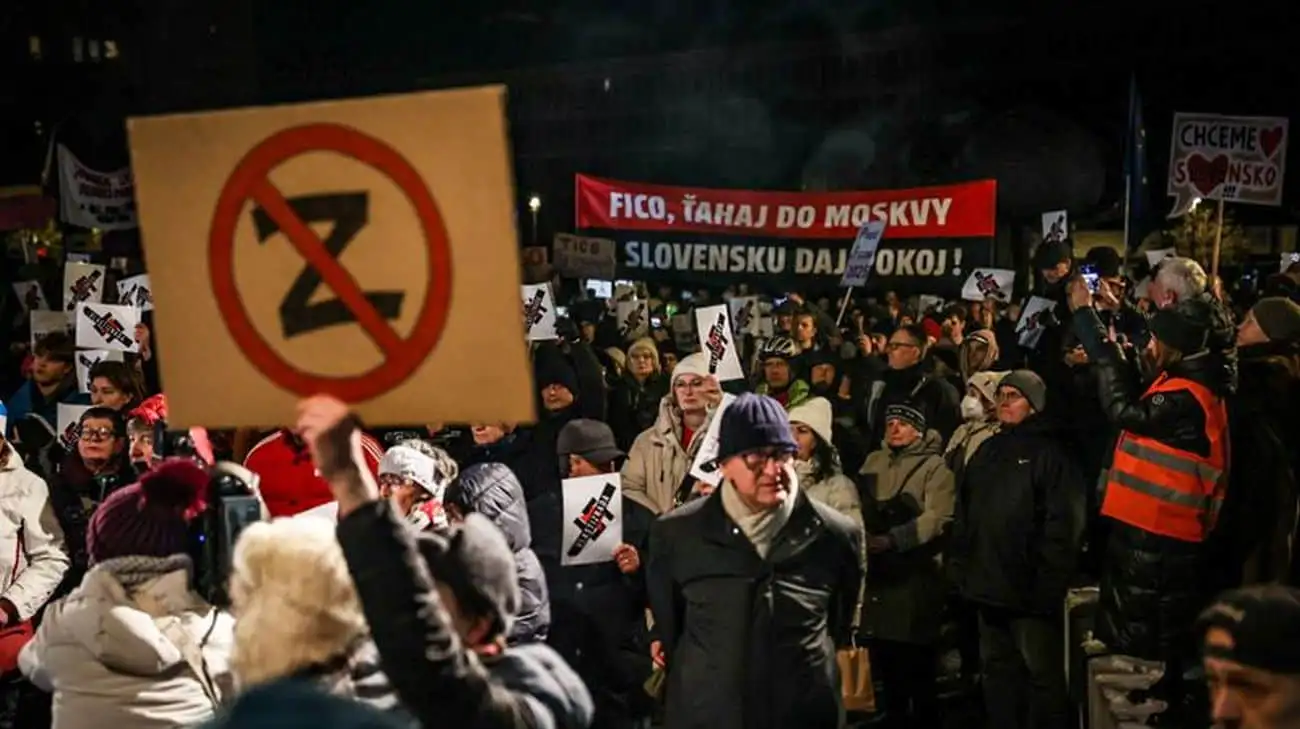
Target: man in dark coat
<point>753,587</point>
<point>1015,539</point>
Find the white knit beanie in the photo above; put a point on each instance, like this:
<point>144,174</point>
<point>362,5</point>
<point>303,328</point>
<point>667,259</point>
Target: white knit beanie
<point>816,413</point>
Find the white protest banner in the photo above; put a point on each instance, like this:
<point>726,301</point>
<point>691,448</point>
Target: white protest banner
<point>68,424</point>
<point>745,314</point>
<point>1289,260</point>
<point>989,282</point>
<point>578,256</point>
<point>107,326</point>
<point>88,358</point>
<point>47,322</point>
<point>1056,226</point>
<point>1230,158</point>
<point>633,319</point>
<point>31,296</point>
<point>593,519</point>
<point>136,291</point>
<point>703,468</point>
<point>82,282</point>
<point>1030,329</point>
<point>1155,257</point>
<point>717,341</point>
<point>539,312</point>
<point>863,256</point>
<point>929,302</point>
<point>623,292</point>
<point>92,199</point>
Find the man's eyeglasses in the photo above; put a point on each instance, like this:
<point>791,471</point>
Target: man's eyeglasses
<point>97,435</point>
<point>895,346</point>
<point>760,458</point>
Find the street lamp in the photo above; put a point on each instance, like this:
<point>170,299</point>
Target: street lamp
<point>534,206</point>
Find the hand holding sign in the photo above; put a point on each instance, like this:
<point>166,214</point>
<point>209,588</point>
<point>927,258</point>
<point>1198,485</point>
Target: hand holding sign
<point>593,519</point>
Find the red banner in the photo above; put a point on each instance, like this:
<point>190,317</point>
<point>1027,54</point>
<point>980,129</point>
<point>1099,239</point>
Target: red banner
<point>966,210</point>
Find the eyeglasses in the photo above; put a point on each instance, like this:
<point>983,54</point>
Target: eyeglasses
<point>895,346</point>
<point>689,384</point>
<point>756,460</point>
<point>97,435</point>
<point>1010,396</point>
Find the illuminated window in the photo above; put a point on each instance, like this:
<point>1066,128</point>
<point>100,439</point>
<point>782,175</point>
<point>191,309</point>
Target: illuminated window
<point>92,49</point>
<point>34,47</point>
<point>78,49</point>
<point>110,49</point>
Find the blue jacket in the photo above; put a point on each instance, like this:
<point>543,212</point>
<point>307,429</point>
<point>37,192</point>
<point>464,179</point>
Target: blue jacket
<point>29,401</point>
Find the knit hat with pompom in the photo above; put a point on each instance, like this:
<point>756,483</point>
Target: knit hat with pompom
<point>150,518</point>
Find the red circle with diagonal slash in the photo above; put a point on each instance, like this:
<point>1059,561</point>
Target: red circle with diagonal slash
<point>251,181</point>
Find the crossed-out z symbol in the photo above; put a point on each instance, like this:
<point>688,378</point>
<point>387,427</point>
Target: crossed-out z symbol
<point>592,521</point>
<point>349,211</point>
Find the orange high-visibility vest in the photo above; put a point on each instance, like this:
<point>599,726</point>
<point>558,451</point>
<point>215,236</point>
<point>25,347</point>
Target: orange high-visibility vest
<point>1166,490</point>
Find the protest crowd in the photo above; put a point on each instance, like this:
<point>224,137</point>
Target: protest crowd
<point>925,483</point>
<point>1068,502</point>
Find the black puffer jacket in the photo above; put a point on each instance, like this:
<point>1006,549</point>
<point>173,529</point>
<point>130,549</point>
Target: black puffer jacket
<point>1154,586</point>
<point>633,406</point>
<point>1019,521</point>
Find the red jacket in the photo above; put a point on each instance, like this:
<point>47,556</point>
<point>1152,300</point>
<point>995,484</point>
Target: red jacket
<point>289,483</point>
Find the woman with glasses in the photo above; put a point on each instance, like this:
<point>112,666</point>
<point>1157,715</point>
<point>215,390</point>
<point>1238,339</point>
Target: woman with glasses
<point>98,465</point>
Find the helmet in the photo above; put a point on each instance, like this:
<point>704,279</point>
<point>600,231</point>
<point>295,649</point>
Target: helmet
<point>779,347</point>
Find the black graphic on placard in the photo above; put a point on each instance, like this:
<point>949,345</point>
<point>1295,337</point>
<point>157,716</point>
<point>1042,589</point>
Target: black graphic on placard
<point>987,284</point>
<point>717,343</point>
<point>534,310</point>
<point>109,328</point>
<point>633,321</point>
<point>593,520</point>
<point>82,289</point>
<point>349,211</point>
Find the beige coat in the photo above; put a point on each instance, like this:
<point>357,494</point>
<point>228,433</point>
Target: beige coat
<point>657,464</point>
<point>118,660</point>
<point>912,497</point>
<point>967,439</point>
<point>32,558</point>
<point>838,491</point>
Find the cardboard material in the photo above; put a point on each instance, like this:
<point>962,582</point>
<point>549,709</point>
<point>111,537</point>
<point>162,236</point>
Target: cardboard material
<point>416,191</point>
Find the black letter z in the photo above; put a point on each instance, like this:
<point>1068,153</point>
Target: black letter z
<point>349,212</point>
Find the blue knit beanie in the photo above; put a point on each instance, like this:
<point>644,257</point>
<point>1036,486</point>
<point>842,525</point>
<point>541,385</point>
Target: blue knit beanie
<point>752,422</point>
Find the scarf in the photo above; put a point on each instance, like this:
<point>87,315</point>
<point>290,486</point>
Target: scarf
<point>760,527</point>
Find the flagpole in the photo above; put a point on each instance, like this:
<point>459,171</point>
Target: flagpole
<point>1128,209</point>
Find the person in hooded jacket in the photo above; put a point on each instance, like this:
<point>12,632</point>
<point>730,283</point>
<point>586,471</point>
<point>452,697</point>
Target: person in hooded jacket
<point>909,498</point>
<point>909,379</point>
<point>598,610</point>
<point>1264,431</point>
<point>1015,538</point>
<point>979,414</point>
<point>134,645</point>
<point>492,490</point>
<point>440,605</point>
<point>1165,490</point>
<point>634,399</point>
<point>1054,262</point>
<point>413,476</point>
<point>817,462</point>
<point>661,457</point>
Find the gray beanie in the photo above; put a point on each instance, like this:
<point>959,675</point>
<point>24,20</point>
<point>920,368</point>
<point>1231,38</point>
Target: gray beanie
<point>1028,384</point>
<point>474,560</point>
<point>1278,318</point>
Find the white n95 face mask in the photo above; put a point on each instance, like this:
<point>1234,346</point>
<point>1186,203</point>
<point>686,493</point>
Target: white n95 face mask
<point>972,408</point>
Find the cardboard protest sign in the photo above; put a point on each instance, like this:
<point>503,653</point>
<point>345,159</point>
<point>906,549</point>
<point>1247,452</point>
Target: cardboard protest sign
<point>68,424</point>
<point>633,319</point>
<point>578,256</point>
<point>88,358</point>
<point>30,296</point>
<point>745,314</point>
<point>623,292</point>
<point>593,519</point>
<point>46,322</point>
<point>863,256</point>
<point>107,326</point>
<point>719,342</point>
<point>539,312</point>
<point>1230,158</point>
<point>537,264</point>
<point>1155,257</point>
<point>703,468</point>
<point>989,282</point>
<point>1056,226</point>
<point>136,292</point>
<point>359,248</point>
<point>82,282</point>
<point>1030,329</point>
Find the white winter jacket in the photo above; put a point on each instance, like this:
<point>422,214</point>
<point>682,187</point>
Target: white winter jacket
<point>151,658</point>
<point>32,559</point>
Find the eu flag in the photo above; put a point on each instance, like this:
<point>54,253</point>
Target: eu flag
<point>1136,198</point>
